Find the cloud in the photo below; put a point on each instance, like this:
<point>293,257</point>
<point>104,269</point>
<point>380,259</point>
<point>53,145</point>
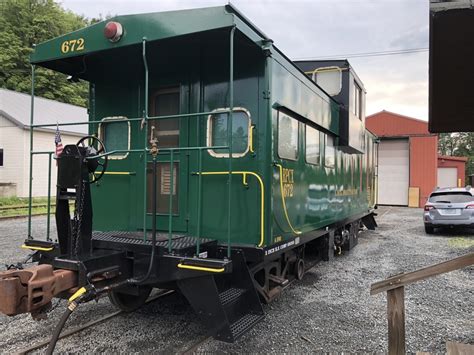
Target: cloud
<point>312,28</point>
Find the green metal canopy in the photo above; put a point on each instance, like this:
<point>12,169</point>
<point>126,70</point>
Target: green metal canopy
<point>136,28</point>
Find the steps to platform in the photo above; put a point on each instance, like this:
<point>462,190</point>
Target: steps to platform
<point>244,324</point>
<point>231,295</point>
<point>227,304</point>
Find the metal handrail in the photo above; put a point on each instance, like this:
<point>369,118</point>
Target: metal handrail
<point>144,125</point>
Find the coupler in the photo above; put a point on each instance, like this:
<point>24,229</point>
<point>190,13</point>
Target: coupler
<point>31,290</point>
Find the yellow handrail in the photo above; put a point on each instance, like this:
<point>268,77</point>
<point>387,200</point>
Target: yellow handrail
<point>24,246</point>
<point>252,127</point>
<point>199,268</point>
<point>119,173</point>
<point>262,195</point>
<point>283,201</point>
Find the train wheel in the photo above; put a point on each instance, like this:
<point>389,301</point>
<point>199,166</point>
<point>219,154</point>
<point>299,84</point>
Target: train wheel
<point>299,268</point>
<point>128,302</point>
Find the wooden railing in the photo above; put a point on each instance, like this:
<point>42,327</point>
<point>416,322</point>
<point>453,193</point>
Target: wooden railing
<point>395,287</point>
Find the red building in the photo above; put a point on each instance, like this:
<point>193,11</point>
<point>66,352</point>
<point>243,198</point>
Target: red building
<point>408,160</point>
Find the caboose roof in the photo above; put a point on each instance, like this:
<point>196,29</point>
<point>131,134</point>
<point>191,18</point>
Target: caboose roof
<point>151,26</point>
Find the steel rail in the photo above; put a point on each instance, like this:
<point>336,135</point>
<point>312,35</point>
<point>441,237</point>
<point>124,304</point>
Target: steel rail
<point>193,349</point>
<point>87,325</point>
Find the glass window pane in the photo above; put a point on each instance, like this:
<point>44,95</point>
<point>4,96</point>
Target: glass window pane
<point>240,128</point>
<point>330,80</point>
<point>329,158</point>
<point>115,136</point>
<point>166,130</point>
<point>312,145</point>
<point>287,137</point>
<point>450,197</point>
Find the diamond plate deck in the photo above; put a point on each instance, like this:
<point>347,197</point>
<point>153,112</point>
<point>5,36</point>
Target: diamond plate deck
<point>132,240</point>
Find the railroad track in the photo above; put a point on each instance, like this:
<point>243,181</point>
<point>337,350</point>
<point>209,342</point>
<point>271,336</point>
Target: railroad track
<point>68,333</point>
<point>193,348</point>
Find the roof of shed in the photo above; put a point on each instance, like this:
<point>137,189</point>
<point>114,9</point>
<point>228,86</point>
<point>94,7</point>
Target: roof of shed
<point>391,124</point>
<point>15,107</point>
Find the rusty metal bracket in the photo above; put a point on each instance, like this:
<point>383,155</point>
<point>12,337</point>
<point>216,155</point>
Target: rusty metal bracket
<point>28,290</point>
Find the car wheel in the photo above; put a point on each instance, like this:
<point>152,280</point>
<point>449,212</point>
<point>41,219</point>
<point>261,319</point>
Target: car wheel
<point>429,229</point>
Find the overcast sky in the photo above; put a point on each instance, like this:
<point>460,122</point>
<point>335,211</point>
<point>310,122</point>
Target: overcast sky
<point>316,28</point>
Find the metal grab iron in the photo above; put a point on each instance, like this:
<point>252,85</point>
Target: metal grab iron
<point>29,290</point>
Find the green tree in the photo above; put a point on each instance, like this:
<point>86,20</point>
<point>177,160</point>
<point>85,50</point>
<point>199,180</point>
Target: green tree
<point>24,23</point>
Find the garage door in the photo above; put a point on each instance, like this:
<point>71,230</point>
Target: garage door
<point>447,177</point>
<point>394,172</point>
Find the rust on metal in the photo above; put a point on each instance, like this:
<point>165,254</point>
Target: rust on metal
<point>28,290</point>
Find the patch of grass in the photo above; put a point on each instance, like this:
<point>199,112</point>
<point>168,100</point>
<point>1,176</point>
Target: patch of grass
<point>461,242</point>
<point>13,201</point>
<point>23,211</point>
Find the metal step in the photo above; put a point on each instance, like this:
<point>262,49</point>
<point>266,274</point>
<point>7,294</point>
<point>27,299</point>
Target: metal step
<point>245,323</point>
<point>231,295</point>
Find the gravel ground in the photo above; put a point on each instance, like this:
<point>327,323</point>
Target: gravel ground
<point>329,310</point>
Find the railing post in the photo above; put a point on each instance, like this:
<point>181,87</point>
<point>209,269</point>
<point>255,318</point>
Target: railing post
<point>48,221</point>
<point>229,136</point>
<point>30,189</point>
<point>170,210</point>
<point>199,212</point>
<point>396,321</point>
<point>145,135</point>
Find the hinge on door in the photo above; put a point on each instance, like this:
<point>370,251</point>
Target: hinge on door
<point>266,94</point>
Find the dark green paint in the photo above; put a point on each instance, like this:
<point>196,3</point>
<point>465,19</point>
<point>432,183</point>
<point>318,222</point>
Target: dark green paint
<point>178,54</point>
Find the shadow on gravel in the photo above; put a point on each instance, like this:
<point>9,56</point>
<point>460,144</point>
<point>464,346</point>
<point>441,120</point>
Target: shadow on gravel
<point>454,232</point>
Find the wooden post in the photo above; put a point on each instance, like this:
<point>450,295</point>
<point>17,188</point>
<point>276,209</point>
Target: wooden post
<point>396,321</point>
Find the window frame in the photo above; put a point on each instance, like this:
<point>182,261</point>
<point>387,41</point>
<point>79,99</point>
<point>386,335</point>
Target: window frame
<point>357,101</point>
<point>165,90</point>
<point>334,149</point>
<point>101,133</point>
<point>314,77</point>
<point>306,145</point>
<point>2,153</point>
<point>297,137</point>
<point>212,152</point>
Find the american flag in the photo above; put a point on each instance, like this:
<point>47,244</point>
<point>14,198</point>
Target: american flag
<point>58,142</point>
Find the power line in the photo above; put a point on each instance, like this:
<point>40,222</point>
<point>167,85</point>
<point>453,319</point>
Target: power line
<point>368,54</point>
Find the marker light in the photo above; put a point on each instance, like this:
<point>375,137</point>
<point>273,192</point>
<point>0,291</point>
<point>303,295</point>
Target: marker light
<point>113,31</point>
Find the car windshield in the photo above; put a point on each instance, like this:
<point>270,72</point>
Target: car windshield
<point>451,197</point>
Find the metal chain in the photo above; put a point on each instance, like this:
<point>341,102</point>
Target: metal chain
<point>78,213</point>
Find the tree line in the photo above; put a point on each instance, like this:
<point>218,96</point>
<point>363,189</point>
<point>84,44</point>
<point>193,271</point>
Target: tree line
<point>24,23</point>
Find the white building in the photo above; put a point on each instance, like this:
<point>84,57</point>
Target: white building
<point>15,141</point>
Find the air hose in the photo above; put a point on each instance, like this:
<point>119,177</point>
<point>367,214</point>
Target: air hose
<point>145,277</point>
<point>74,301</point>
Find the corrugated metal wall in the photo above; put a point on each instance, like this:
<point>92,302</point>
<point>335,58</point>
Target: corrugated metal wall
<point>423,147</point>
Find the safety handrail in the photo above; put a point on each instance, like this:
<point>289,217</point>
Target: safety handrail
<point>144,126</point>
<point>245,183</point>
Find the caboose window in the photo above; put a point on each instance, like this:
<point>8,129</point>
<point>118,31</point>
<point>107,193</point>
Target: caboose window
<point>313,153</point>
<point>329,152</point>
<point>165,102</point>
<point>217,132</point>
<point>287,137</point>
<point>115,135</point>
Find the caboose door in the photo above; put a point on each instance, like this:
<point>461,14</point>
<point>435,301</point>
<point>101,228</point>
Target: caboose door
<point>171,133</point>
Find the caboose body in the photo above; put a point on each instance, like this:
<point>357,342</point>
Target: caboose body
<point>226,165</point>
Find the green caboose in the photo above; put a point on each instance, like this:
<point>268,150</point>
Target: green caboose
<point>214,164</point>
